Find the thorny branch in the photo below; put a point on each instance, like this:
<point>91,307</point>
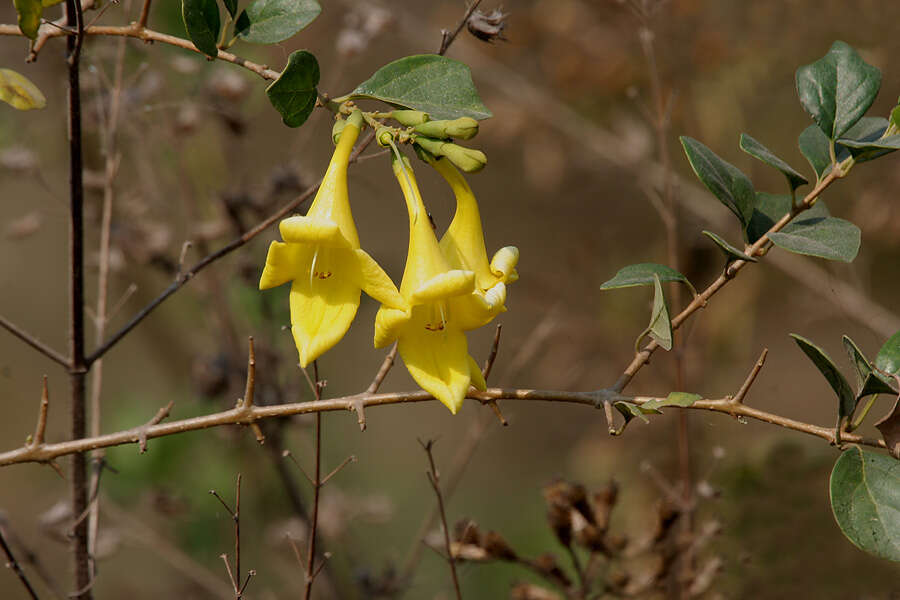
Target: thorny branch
<point>447,37</point>
<point>247,415</point>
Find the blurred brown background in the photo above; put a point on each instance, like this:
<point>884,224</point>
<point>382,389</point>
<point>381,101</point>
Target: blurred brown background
<point>567,91</point>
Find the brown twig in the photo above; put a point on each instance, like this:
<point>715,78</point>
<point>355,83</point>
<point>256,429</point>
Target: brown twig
<point>447,37</point>
<point>742,393</point>
<point>77,363</point>
<point>41,427</point>
<point>434,480</point>
<point>145,13</point>
<point>486,371</point>
<point>161,414</point>
<point>247,400</point>
<point>240,416</point>
<point>317,486</point>
<point>235,576</point>
<point>13,564</point>
<point>34,342</point>
<point>386,365</point>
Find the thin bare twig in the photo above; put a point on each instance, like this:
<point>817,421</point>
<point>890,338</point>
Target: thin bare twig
<point>235,575</point>
<point>742,393</point>
<point>145,13</point>
<point>34,342</point>
<point>41,427</point>
<point>386,365</point>
<point>486,371</point>
<point>447,37</point>
<point>13,564</point>
<point>434,479</point>
<point>161,414</point>
<point>317,486</point>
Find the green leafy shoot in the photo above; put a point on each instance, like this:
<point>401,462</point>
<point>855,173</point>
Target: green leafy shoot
<point>724,180</point>
<point>273,21</point>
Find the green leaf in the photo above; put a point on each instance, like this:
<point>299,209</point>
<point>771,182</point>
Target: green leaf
<point>201,20</point>
<point>731,253</point>
<point>642,274</point>
<point>888,359</point>
<point>864,141</point>
<point>838,89</point>
<point>815,147</point>
<point>723,179</point>
<point>757,150</point>
<point>847,399</point>
<point>231,6</point>
<point>630,410</point>
<point>273,21</point>
<point>29,16</point>
<point>660,328</point>
<point>294,93</point>
<point>767,211</point>
<point>895,115</point>
<point>439,86</point>
<point>865,498</point>
<point>18,91</point>
<point>825,237</point>
<point>682,399</point>
<point>867,381</point>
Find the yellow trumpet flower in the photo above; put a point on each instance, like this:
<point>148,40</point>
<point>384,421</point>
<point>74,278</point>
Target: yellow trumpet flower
<point>322,256</point>
<point>463,247</point>
<point>430,333</point>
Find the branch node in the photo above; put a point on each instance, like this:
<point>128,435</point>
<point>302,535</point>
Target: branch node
<point>358,405</point>
<point>161,414</point>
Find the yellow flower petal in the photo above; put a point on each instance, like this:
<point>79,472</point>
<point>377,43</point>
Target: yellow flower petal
<point>376,283</point>
<point>503,264</point>
<point>332,201</point>
<point>476,310</point>
<point>313,230</point>
<point>478,381</point>
<point>437,360</point>
<point>324,302</point>
<point>388,323</point>
<point>444,285</point>
<point>282,265</point>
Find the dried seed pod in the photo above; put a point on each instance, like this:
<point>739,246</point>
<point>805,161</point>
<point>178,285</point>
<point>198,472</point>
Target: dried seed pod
<point>497,547</point>
<point>466,532</point>
<point>487,27</point>
<point>604,500</point>
<point>548,566</point>
<point>666,515</point>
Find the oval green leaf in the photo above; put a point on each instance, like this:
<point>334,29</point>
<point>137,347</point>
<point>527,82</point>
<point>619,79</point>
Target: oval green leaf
<point>18,91</point>
<point>660,328</point>
<point>864,140</point>
<point>294,93</point>
<point>29,13</point>
<point>682,399</point>
<point>825,237</point>
<point>838,89</point>
<point>865,499</point>
<point>888,359</point>
<point>847,399</point>
<point>814,145</point>
<point>201,20</point>
<point>273,21</point>
<point>724,180</point>
<point>868,381</point>
<point>757,150</point>
<point>731,253</point>
<point>434,84</point>
<point>642,274</point>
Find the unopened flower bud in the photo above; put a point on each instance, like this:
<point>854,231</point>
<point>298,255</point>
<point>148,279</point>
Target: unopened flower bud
<point>463,128</point>
<point>409,118</point>
<point>467,159</point>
